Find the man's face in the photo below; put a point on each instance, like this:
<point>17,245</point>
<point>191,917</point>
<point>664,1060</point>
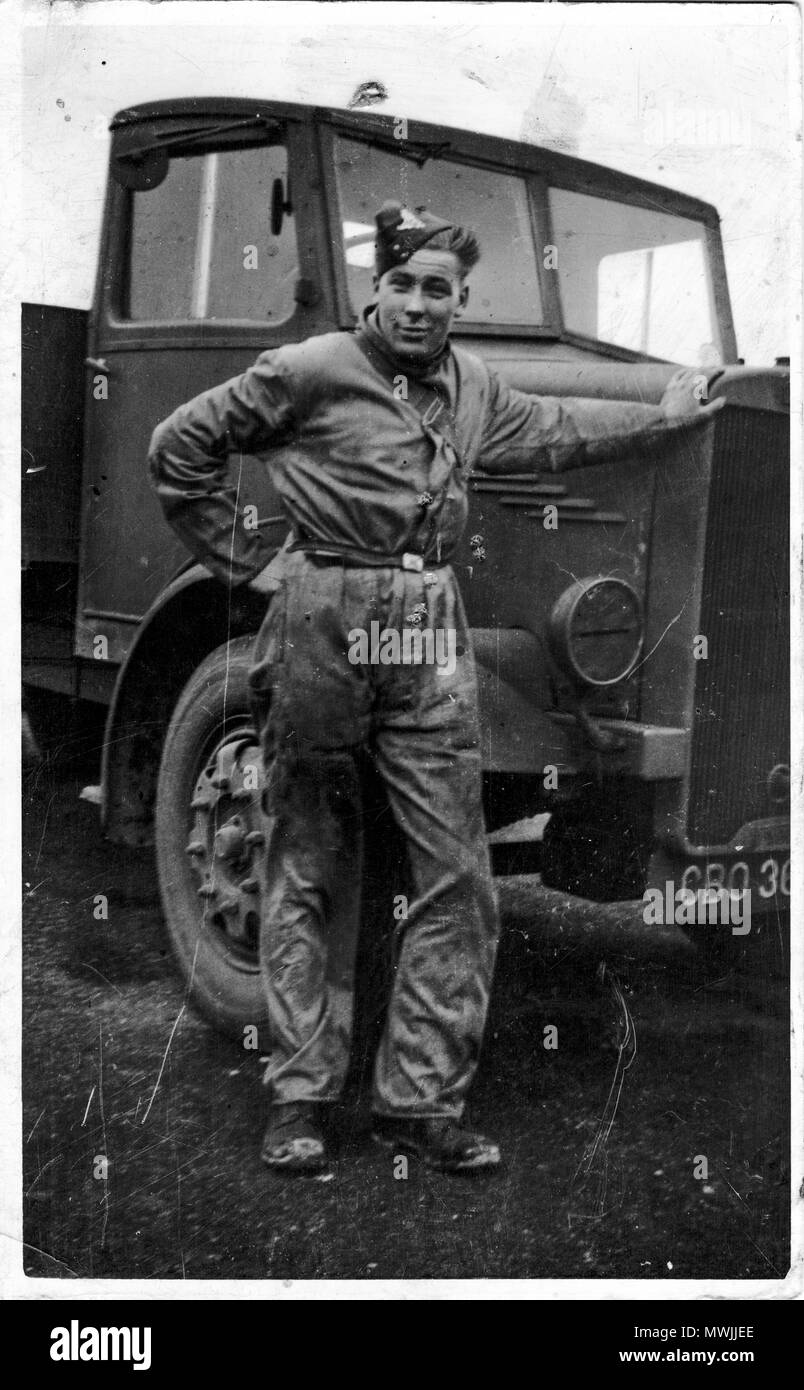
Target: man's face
<point>417,301</point>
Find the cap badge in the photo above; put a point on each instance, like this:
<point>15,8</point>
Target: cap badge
<point>410,222</point>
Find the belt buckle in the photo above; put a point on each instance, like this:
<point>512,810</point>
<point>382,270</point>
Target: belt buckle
<point>413,562</point>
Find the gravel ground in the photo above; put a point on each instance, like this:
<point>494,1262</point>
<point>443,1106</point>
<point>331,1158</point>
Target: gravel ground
<point>662,1061</point>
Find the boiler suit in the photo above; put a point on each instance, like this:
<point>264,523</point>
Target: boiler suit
<point>360,472</point>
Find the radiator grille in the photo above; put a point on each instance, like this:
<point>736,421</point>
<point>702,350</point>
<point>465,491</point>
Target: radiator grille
<point>741,722</point>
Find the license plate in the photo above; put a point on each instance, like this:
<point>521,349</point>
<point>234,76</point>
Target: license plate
<point>765,876</point>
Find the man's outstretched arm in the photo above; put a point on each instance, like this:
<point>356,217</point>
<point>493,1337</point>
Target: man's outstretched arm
<point>188,461</point>
<point>533,433</point>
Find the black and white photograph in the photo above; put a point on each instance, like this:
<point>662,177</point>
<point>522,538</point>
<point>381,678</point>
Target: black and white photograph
<point>404,670</point>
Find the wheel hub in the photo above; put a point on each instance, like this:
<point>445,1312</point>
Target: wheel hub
<point>225,848</point>
<point>229,842</point>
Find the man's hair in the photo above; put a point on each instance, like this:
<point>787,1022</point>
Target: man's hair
<point>461,241</point>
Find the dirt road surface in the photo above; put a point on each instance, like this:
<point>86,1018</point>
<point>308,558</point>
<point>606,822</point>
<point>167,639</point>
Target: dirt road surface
<point>651,1142</point>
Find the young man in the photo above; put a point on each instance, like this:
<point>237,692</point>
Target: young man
<point>370,437</point>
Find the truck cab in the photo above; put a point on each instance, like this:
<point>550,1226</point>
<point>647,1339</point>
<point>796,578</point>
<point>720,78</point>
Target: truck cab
<point>231,227</point>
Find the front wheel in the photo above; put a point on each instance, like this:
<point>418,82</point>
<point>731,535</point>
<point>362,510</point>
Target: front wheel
<point>210,834</point>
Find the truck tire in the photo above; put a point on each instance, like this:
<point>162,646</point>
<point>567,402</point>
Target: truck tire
<point>210,832</point>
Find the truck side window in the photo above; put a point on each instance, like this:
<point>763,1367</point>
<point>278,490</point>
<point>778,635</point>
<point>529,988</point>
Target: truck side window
<point>635,277</point>
<point>201,242</point>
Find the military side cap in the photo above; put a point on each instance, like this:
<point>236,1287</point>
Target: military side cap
<point>400,232</point>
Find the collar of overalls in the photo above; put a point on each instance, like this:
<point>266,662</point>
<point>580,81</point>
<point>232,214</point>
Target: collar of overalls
<point>426,369</point>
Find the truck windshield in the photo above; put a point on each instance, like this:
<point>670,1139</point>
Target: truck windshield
<point>505,284</point>
<point>635,277</point>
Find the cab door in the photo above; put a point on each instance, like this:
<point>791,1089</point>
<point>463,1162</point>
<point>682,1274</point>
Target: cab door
<point>215,263</point>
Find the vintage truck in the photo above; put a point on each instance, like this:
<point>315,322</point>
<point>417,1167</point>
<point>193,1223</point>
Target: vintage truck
<point>630,618</point>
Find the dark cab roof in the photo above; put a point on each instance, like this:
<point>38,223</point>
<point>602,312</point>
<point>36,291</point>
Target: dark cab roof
<point>563,170</point>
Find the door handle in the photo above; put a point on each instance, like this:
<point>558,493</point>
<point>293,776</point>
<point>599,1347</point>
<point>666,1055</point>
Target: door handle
<point>98,364</point>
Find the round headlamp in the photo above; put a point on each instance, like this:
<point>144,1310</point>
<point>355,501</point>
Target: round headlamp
<point>595,631</point>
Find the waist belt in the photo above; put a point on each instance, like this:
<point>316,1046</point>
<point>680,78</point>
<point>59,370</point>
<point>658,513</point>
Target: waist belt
<point>348,555</point>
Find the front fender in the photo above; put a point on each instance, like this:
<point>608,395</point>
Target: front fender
<point>192,616</point>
